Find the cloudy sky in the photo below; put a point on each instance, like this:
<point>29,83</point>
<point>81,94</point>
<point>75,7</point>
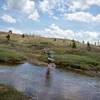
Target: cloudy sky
<point>79,19</point>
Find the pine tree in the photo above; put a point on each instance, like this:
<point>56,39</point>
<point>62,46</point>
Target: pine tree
<point>8,37</point>
<point>10,32</point>
<point>73,44</point>
<point>88,46</point>
<point>23,35</point>
<point>83,42</point>
<point>55,39</point>
<point>95,43</point>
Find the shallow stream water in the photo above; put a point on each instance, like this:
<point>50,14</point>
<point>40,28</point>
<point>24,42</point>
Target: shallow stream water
<point>61,85</point>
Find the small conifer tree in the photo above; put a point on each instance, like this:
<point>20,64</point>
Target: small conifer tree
<point>8,37</point>
<point>55,39</point>
<point>88,46</point>
<point>10,32</point>
<point>83,42</point>
<point>23,35</point>
<point>73,44</point>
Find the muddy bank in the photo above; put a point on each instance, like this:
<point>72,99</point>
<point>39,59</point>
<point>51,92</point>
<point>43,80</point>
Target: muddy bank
<point>80,71</point>
<point>92,73</point>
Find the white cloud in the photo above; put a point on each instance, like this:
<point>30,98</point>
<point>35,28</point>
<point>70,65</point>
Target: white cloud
<point>76,5</point>
<point>93,2</point>
<point>82,4</point>
<point>34,16</point>
<point>14,30</point>
<point>56,32</point>
<point>82,17</point>
<point>97,18</point>
<point>49,5</point>
<point>3,30</point>
<point>44,5</point>
<point>27,6</point>
<point>55,18</point>
<point>88,36</point>
<point>8,19</point>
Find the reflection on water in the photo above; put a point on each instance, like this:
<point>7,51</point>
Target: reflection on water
<point>61,85</point>
<point>48,81</point>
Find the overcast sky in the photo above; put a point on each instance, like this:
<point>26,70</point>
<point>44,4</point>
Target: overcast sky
<point>79,19</point>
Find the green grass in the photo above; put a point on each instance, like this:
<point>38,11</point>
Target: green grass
<point>78,61</point>
<point>10,56</point>
<point>8,93</point>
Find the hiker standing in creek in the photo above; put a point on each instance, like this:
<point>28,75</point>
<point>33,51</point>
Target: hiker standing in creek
<point>51,64</point>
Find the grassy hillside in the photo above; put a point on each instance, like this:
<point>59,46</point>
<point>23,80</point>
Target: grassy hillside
<point>32,48</point>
